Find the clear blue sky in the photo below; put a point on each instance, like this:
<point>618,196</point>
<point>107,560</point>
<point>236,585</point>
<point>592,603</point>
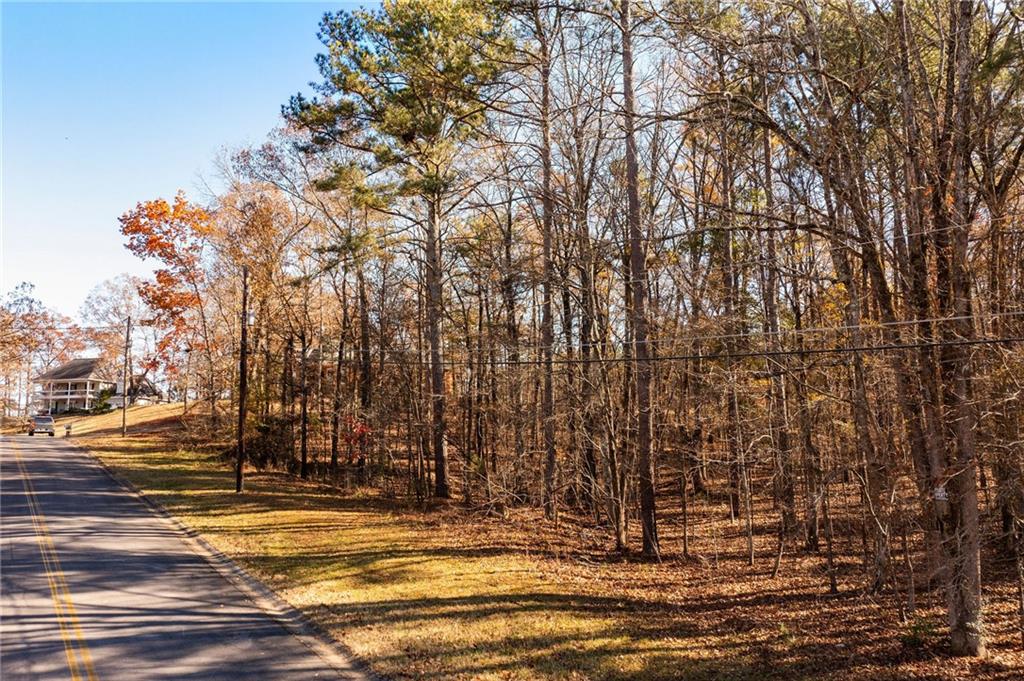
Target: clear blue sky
<point>105,105</point>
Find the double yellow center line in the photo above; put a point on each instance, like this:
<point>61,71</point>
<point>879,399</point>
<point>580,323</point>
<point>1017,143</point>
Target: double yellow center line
<point>77,652</point>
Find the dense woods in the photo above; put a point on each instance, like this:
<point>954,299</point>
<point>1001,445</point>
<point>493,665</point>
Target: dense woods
<point>612,259</point>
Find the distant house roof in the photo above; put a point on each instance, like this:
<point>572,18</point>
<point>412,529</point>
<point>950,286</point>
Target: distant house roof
<point>84,369</point>
<point>141,386</point>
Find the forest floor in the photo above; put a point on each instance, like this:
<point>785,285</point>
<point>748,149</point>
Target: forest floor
<point>445,593</point>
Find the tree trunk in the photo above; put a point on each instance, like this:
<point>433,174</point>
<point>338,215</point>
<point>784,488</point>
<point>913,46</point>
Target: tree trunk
<point>547,324</point>
<point>638,275</point>
<point>779,402</point>
<point>435,311</point>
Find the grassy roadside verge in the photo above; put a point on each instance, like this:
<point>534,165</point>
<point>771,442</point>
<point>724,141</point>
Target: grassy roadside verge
<point>403,593</point>
<point>442,595</point>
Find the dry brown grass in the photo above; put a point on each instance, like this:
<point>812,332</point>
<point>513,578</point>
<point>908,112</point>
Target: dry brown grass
<point>447,594</point>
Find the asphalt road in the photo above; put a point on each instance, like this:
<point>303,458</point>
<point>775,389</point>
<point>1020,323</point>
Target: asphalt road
<point>96,585</point>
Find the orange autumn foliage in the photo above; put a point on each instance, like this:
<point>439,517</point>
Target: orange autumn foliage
<point>174,234</point>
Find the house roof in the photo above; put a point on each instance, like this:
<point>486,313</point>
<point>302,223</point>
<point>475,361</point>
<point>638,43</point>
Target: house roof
<point>141,386</point>
<point>86,368</point>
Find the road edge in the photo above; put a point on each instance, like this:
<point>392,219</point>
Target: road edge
<point>333,652</point>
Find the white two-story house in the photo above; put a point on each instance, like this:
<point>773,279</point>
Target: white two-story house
<point>74,385</point>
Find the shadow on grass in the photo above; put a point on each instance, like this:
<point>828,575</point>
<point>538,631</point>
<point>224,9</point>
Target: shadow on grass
<point>619,645</point>
<point>625,639</point>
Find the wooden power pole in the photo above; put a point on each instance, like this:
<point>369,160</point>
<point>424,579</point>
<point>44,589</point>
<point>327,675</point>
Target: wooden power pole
<point>125,376</point>
<point>304,402</point>
<point>243,382</point>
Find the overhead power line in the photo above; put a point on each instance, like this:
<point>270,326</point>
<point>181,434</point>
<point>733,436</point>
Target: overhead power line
<point>874,326</point>
<point>746,335</point>
<point>713,355</point>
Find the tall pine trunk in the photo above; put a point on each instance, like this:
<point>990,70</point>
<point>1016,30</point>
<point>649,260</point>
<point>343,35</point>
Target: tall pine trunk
<point>547,324</point>
<point>434,311</point>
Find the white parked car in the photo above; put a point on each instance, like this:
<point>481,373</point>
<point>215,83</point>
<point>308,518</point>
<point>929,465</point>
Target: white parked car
<point>40,424</point>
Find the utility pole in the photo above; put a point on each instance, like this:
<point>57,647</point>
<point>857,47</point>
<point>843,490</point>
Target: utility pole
<point>243,381</point>
<point>304,402</point>
<point>124,376</point>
